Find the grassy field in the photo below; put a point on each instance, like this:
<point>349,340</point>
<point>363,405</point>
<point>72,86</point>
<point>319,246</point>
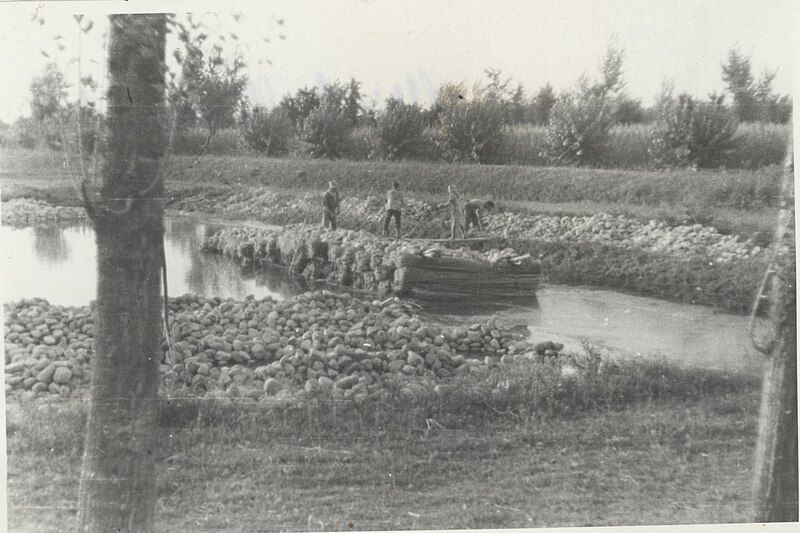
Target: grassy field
<point>651,444</point>
<point>745,190</point>
<point>755,145</point>
<point>736,202</point>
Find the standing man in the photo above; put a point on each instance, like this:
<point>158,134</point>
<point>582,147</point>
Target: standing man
<point>456,213</point>
<point>330,206</point>
<point>473,212</point>
<point>394,206</point>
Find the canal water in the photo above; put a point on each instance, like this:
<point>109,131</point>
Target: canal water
<point>58,264</point>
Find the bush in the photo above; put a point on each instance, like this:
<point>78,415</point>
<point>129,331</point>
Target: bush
<point>50,131</point>
<point>778,109</point>
<point>431,142</point>
<point>191,142</point>
<point>26,134</point>
<point>690,133</point>
<point>399,128</point>
<point>524,144</point>
<point>581,120</point>
<point>628,147</point>
<point>580,125</point>
<point>758,144</point>
<point>363,144</point>
<point>327,130</point>
<point>7,137</point>
<point>540,106</point>
<point>471,129</point>
<point>268,132</point>
<point>628,110</point>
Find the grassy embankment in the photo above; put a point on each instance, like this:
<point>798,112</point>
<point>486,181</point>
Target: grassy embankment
<point>634,445</point>
<point>738,202</point>
<point>734,202</point>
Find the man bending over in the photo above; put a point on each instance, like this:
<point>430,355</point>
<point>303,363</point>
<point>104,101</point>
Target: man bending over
<point>473,213</point>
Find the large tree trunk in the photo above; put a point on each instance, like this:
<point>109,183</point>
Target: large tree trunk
<point>117,490</point>
<point>775,488</point>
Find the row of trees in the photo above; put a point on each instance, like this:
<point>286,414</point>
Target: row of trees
<point>468,125</point>
<point>463,124</point>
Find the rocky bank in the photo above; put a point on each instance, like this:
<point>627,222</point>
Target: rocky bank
<point>360,259</point>
<point>317,341</point>
<point>425,219</point>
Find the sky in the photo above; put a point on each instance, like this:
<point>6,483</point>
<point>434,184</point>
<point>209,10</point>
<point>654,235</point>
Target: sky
<point>408,48</point>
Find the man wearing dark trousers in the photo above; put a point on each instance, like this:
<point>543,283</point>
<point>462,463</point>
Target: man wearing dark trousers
<point>394,206</point>
<point>473,211</point>
<point>330,206</point>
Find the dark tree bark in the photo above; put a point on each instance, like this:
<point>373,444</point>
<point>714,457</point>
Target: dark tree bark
<point>775,487</point>
<point>117,490</point>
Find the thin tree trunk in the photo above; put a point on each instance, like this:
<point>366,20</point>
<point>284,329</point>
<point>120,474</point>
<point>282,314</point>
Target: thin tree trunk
<point>775,487</point>
<point>118,491</point>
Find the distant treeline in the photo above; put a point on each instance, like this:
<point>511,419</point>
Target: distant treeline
<point>594,124</point>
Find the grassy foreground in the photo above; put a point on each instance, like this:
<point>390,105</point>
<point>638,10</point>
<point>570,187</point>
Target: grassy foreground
<point>661,446</point>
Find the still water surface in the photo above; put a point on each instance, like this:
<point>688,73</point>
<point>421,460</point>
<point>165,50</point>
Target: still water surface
<point>59,265</point>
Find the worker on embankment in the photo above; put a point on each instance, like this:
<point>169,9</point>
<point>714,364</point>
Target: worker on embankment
<point>394,207</point>
<point>473,213</point>
<point>456,214</point>
<point>330,206</point>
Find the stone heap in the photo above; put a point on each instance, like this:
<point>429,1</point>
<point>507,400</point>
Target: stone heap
<point>356,259</point>
<point>682,241</point>
<point>256,348</point>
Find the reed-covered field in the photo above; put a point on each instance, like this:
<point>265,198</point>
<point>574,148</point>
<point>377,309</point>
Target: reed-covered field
<point>755,145</point>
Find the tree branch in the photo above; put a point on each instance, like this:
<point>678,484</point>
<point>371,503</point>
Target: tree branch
<point>211,133</point>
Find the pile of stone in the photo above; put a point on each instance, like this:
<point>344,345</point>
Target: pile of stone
<point>256,348</point>
<point>423,219</point>
<point>47,348</point>
<point>356,259</point>
<point>420,219</point>
<point>681,241</point>
<point>22,212</point>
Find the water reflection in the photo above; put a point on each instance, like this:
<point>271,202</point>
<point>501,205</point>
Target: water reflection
<point>59,264</point>
<point>50,245</point>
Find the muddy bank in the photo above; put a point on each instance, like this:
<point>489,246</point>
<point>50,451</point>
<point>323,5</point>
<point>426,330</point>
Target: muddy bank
<point>257,348</point>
